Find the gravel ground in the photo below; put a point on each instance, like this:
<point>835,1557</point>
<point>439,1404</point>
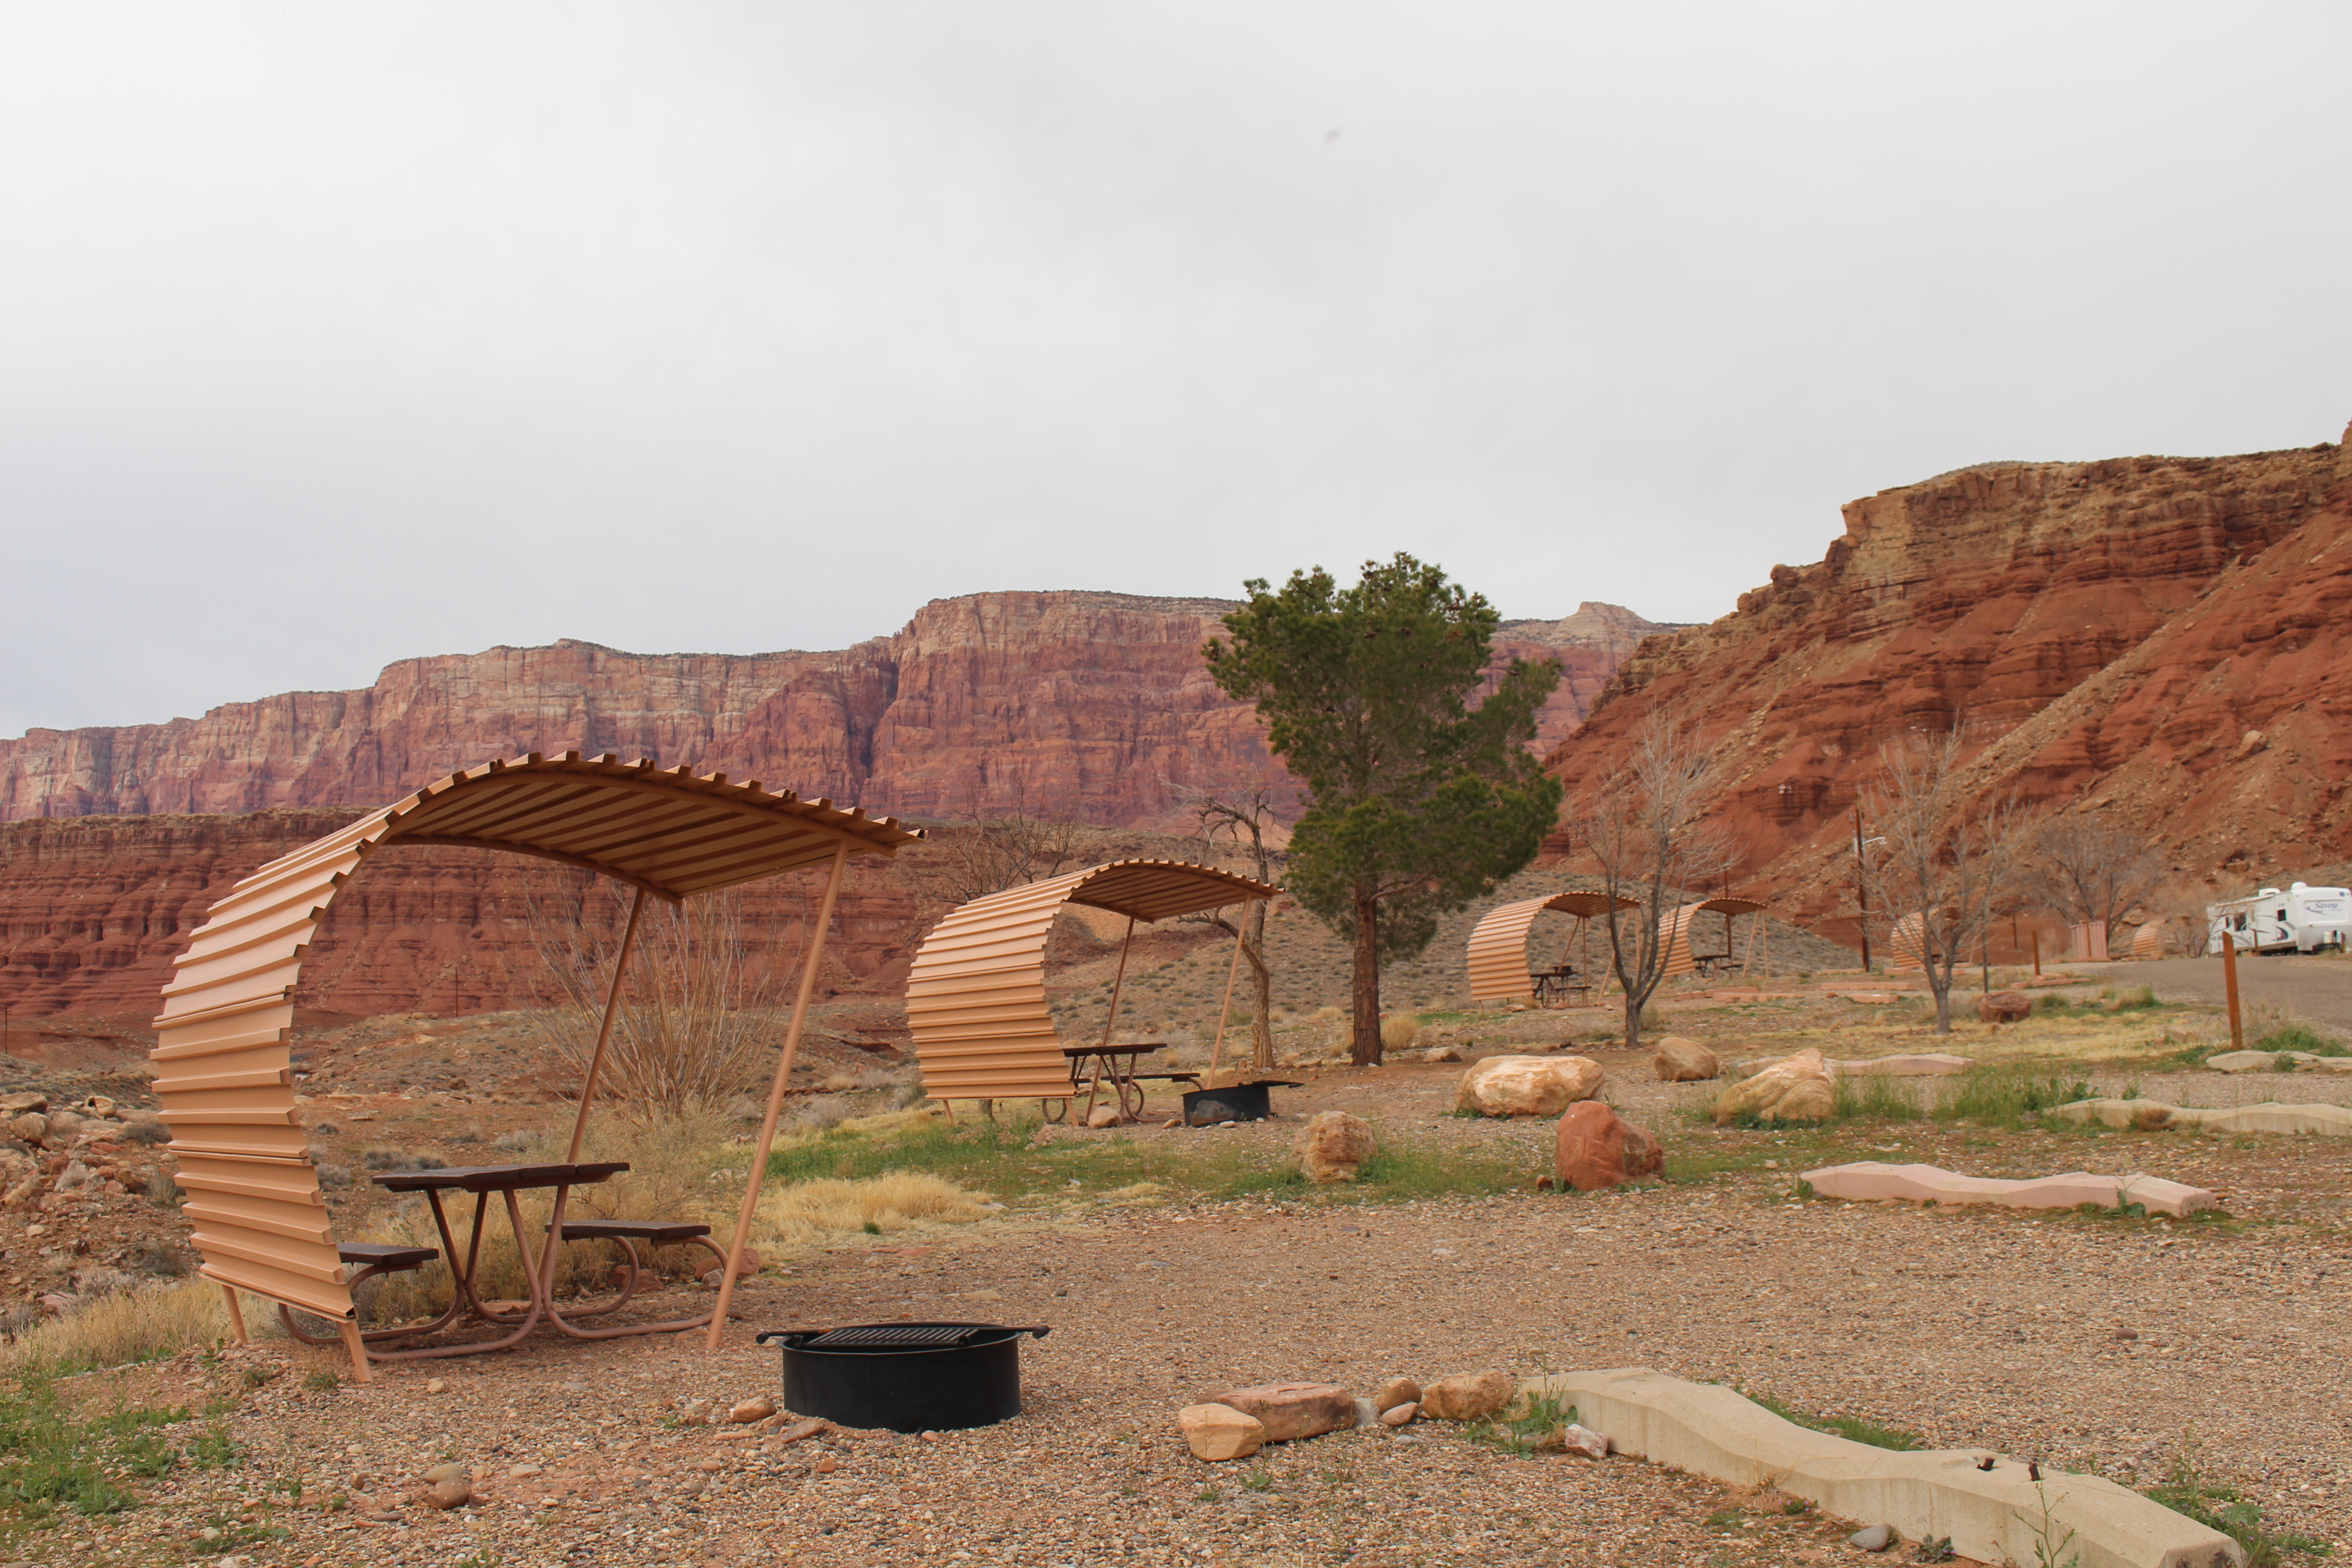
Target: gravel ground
<point>1967,1327</point>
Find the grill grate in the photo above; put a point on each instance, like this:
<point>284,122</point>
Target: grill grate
<point>910,1334</point>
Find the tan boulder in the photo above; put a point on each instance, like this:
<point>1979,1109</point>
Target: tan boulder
<point>23,1102</point>
<point>1401,1414</point>
<point>1596,1148</point>
<point>1219,1432</point>
<point>1679,1060</point>
<point>1104,1116</point>
<point>1396,1390</point>
<point>32,1128</point>
<point>1289,1411</point>
<point>2005,1007</point>
<point>1332,1147</point>
<point>1527,1086</point>
<point>1470,1396</point>
<point>1795,1089</point>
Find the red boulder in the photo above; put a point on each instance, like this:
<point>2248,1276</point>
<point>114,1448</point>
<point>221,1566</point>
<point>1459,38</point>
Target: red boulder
<point>1598,1147</point>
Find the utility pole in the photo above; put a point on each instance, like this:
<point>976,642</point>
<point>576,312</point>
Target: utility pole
<point>1861,890</point>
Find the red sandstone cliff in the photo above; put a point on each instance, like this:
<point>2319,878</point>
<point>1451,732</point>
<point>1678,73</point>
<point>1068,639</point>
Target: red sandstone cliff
<point>2111,632</point>
<point>1095,701</point>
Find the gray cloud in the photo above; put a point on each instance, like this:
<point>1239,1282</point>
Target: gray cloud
<point>336,335</point>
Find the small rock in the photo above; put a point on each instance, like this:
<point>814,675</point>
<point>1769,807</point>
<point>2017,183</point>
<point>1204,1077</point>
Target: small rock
<point>1332,1147</point>
<point>517,1472</point>
<point>1290,1411</point>
<point>758,1408</point>
<point>826,1466</point>
<point>710,1464</point>
<point>1469,1396</point>
<point>2126,1333</point>
<point>1219,1432</point>
<point>1876,1538</point>
<point>1103,1116</point>
<point>696,1412</point>
<point>99,1105</point>
<point>456,1491</point>
<point>1396,1390</point>
<point>435,1385</point>
<point>440,1473</point>
<point>694,1485</point>
<point>801,1430</point>
<point>1576,1439</point>
<point>2005,1007</point>
<point>1679,1060</point>
<point>1401,1414</point>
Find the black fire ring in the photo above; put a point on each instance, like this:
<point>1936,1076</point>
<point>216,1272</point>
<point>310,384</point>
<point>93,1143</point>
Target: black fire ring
<point>1235,1102</point>
<point>906,1377</point>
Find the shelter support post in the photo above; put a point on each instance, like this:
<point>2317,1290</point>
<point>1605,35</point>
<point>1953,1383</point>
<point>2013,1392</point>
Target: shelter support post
<point>236,1315</point>
<point>1233,971</point>
<point>1118,983</point>
<point>361,1372</point>
<point>604,1034</point>
<point>776,1096</point>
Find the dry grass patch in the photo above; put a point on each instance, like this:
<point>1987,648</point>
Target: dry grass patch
<point>808,1212</point>
<point>134,1326</point>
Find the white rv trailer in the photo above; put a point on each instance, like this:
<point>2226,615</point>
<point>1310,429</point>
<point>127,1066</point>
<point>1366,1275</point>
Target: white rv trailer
<point>2303,919</point>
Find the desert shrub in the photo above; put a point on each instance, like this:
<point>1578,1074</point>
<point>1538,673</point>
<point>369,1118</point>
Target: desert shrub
<point>1398,1031</point>
<point>144,1130</point>
<point>2007,1096</point>
<point>331,1175</point>
<point>517,1141</point>
<point>144,1324</point>
<point>1878,1096</point>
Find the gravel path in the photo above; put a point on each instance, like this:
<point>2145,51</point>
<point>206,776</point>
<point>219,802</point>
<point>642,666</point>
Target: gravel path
<point>2317,987</point>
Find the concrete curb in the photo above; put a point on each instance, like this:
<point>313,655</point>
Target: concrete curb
<point>1993,1516</point>
<point>2316,1118</point>
<point>1872,1180</point>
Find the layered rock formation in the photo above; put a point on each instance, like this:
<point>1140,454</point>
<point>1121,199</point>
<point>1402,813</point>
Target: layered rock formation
<point>2161,638</point>
<point>1096,702</point>
<point>93,911</point>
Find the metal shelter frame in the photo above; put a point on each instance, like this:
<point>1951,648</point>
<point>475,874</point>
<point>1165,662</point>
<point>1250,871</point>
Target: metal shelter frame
<point>221,1052</point>
<point>976,992</point>
<point>1498,943</point>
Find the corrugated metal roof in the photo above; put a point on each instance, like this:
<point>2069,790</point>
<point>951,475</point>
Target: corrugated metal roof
<point>1679,959</point>
<point>221,1071</point>
<point>976,993</point>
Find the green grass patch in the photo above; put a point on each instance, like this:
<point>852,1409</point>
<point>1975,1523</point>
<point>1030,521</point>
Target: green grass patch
<point>1993,1094</point>
<point>2186,1490</point>
<point>2298,1035</point>
<point>55,1462</point>
<point>1853,1428</point>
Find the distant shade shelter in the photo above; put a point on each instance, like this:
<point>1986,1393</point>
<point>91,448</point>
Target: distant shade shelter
<point>976,993</point>
<point>220,1056</point>
<point>1498,943</point>
<point>1684,924</point>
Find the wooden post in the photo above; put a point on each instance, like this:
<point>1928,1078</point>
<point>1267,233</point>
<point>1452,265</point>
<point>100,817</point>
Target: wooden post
<point>2036,934</point>
<point>236,1315</point>
<point>776,1096</point>
<point>604,1034</point>
<point>1232,970</point>
<point>357,1348</point>
<point>2230,986</point>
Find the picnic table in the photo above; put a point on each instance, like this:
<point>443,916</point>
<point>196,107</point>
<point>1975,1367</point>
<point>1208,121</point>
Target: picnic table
<point>1117,1063</point>
<point>538,1255</point>
<point>1556,981</point>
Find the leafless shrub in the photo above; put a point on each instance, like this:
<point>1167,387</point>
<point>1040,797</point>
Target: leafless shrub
<point>1007,845</point>
<point>1248,823</point>
<point>698,1010</point>
<point>2094,872</point>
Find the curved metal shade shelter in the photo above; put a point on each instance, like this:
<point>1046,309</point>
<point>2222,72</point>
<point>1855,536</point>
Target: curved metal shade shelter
<point>1906,945</point>
<point>976,993</point>
<point>221,1053</point>
<point>1680,960</point>
<point>1498,943</point>
<point>2149,941</point>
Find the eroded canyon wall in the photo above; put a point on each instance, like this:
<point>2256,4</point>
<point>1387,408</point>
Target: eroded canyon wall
<point>1096,702</point>
<point>2161,638</point>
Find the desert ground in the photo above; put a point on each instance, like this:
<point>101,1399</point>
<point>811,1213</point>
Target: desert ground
<point>1170,1263</point>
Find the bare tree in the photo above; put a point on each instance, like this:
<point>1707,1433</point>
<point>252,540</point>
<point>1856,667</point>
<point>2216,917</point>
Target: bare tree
<point>2094,871</point>
<point>699,1008</point>
<point>1246,821</point>
<point>1002,848</point>
<point>1951,863</point>
<point>1643,827</point>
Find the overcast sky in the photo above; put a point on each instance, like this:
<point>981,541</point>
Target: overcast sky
<point>336,335</point>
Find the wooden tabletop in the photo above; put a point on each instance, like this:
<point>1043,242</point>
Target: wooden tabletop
<point>499,1178</point>
<point>1113,1050</point>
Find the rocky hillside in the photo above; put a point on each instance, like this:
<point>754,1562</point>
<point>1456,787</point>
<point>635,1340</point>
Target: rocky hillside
<point>2163,639</point>
<point>1096,702</point>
